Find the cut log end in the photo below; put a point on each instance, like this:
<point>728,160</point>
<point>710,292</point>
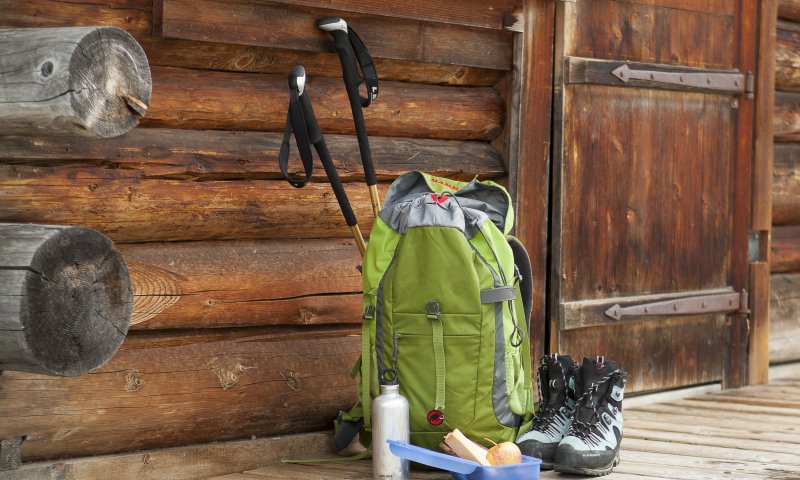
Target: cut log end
<point>76,300</point>
<point>89,81</point>
<point>110,82</point>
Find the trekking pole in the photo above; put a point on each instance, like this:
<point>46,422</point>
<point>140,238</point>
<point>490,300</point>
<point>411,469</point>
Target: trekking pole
<point>350,48</point>
<point>303,122</point>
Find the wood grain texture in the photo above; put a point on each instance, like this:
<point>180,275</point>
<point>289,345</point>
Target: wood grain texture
<point>785,249</point>
<point>127,207</point>
<point>136,17</point>
<point>789,10</point>
<point>244,283</point>
<point>534,155</point>
<point>669,229</point>
<point>787,57</point>
<point>193,99</point>
<point>65,299</point>
<point>784,335</point>
<point>172,389</point>
<point>786,184</point>
<point>91,81</point>
<point>761,215</point>
<point>635,31</point>
<point>492,14</point>
<point>786,123</point>
<point>294,27</point>
<point>758,343</point>
<point>182,463</point>
<point>679,351</point>
<point>220,155</point>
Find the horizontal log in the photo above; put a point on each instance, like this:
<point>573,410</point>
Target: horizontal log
<point>65,299</point>
<point>784,310</point>
<point>169,389</point>
<point>284,26</point>
<point>273,282</point>
<point>224,101</point>
<point>128,208</point>
<point>789,10</point>
<point>92,81</point>
<point>220,155</point>
<point>785,250</point>
<point>787,59</point>
<point>493,14</point>
<point>786,123</point>
<point>135,16</point>
<point>185,463</point>
<point>786,184</point>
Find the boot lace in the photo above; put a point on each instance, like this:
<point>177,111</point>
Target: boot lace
<point>587,429</point>
<point>545,414</point>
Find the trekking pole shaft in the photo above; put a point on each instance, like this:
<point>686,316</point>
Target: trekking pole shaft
<point>315,134</point>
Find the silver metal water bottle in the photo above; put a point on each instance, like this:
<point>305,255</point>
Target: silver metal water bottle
<point>389,422</point>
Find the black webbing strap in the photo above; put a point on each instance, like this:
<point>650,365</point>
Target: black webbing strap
<point>366,65</point>
<point>295,121</point>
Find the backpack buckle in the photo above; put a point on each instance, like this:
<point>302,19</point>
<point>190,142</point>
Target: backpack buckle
<point>369,312</point>
<point>433,312</point>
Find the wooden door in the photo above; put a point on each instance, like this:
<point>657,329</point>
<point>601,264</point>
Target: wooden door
<point>652,152</point>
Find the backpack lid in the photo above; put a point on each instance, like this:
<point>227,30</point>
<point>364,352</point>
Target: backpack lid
<point>489,197</point>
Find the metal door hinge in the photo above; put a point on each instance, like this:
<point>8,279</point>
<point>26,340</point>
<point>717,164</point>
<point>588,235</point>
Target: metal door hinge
<point>749,85</point>
<point>717,303</point>
<point>729,82</point>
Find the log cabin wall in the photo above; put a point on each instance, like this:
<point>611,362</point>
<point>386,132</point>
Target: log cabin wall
<point>247,297</point>
<point>785,251</point>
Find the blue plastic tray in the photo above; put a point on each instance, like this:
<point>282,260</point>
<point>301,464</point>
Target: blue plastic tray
<point>463,469</point>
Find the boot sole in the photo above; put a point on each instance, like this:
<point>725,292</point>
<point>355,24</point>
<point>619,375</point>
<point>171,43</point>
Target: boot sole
<point>594,472</point>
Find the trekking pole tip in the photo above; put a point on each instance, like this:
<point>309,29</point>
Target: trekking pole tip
<point>330,24</point>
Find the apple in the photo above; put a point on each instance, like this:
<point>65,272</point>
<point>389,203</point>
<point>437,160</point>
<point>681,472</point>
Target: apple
<point>506,453</point>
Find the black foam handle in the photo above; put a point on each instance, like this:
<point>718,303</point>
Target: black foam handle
<point>352,80</point>
<point>316,138</point>
<point>336,183</point>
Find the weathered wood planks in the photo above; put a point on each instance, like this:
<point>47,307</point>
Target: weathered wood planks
<point>784,342</point>
<point>787,58</point>
<point>226,155</point>
<point>703,437</point>
<point>123,205</point>
<point>65,299</point>
<point>786,184</point>
<point>789,10</point>
<point>698,34</point>
<point>167,390</point>
<point>185,98</point>
<point>136,17</point>
<point>277,25</point>
<point>91,81</point>
<point>491,14</point>
<point>244,283</point>
<point>785,249</point>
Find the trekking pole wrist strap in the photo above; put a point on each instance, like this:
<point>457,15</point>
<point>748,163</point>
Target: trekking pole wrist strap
<point>296,123</point>
<point>366,65</point>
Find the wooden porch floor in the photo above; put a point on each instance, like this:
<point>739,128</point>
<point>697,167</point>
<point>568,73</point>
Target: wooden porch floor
<point>748,433</point>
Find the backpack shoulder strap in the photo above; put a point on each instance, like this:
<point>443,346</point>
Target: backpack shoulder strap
<point>525,272</point>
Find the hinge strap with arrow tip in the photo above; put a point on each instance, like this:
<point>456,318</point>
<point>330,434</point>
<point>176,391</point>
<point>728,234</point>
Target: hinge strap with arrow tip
<point>729,82</point>
<point>717,303</point>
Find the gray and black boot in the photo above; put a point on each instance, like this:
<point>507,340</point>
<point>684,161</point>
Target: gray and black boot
<point>556,383</point>
<point>591,445</point>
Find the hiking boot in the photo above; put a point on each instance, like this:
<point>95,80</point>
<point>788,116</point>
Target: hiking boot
<point>556,383</point>
<point>591,445</point>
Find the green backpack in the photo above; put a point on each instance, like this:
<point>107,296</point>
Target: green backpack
<point>447,300</point>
